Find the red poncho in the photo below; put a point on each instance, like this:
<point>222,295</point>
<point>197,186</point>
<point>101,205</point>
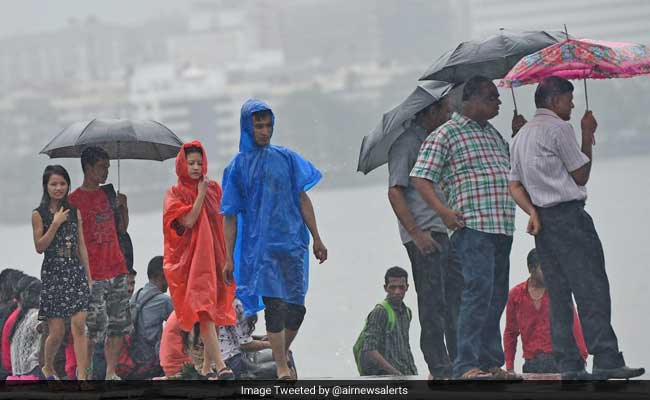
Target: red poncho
<point>194,258</point>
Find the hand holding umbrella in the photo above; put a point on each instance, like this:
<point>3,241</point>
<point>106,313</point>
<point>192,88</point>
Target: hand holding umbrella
<point>588,125</point>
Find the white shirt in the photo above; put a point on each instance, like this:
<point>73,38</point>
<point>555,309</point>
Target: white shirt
<point>543,155</point>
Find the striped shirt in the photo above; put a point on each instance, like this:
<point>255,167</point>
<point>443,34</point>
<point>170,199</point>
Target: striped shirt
<point>393,344</point>
<point>544,153</point>
<point>471,163</point>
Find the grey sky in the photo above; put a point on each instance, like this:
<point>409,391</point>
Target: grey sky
<point>35,16</point>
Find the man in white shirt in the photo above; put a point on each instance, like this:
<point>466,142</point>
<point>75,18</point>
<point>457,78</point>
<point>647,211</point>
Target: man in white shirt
<point>549,171</point>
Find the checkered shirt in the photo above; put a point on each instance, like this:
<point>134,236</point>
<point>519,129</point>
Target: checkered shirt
<point>471,163</point>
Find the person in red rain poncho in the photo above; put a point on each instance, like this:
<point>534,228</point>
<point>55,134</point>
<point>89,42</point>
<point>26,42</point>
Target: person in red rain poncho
<point>195,254</point>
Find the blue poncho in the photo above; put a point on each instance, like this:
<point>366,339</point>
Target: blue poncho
<point>262,186</point>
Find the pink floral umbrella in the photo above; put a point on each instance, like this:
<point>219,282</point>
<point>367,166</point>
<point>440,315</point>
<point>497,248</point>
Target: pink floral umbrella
<point>581,59</point>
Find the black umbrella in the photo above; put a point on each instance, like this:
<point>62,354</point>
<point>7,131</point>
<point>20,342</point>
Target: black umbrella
<point>121,138</point>
<point>375,146</point>
<point>492,57</point>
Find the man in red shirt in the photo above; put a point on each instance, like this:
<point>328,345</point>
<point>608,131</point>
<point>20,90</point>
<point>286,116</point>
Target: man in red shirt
<point>528,315</point>
<point>109,289</point>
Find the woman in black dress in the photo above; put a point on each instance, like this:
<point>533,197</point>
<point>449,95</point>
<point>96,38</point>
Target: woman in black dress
<point>65,272</point>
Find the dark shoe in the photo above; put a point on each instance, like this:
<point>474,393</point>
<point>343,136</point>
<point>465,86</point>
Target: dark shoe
<point>578,375</point>
<point>623,372</point>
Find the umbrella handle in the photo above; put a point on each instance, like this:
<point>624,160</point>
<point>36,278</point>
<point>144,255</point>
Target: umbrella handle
<point>586,97</point>
<point>118,167</point>
<point>587,104</point>
<point>514,101</point>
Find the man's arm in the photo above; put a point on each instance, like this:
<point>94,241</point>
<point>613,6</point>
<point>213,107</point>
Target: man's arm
<point>518,121</point>
<point>188,220</point>
<point>401,157</point>
<point>510,334</point>
<point>158,309</point>
<point>522,198</point>
<point>374,335</point>
<point>230,235</point>
<point>453,219</point>
<point>588,125</point>
<point>422,239</point>
<point>255,345</point>
<point>378,359</point>
<point>431,160</point>
<point>307,210</point>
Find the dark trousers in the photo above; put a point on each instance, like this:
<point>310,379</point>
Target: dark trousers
<point>485,262</point>
<point>573,262</point>
<point>438,283</point>
<point>542,363</point>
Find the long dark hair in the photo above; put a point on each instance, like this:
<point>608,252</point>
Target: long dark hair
<point>47,174</point>
<point>27,293</point>
<point>8,279</point>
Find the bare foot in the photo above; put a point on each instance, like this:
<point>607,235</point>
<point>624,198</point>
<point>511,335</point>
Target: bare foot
<point>49,373</point>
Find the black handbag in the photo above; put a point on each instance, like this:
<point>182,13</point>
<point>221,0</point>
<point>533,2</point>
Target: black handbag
<point>126,245</point>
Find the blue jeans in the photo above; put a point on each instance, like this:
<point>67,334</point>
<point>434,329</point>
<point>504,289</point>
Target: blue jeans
<point>485,262</point>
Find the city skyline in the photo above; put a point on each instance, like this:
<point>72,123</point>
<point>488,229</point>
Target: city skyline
<point>191,68</point>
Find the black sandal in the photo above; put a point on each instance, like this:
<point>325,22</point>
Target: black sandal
<point>210,376</point>
<point>226,374</point>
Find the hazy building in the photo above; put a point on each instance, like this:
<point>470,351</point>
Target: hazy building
<point>88,50</point>
<point>621,20</point>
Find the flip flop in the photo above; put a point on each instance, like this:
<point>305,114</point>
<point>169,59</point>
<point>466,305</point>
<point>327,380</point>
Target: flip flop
<point>210,376</point>
<point>226,374</point>
<point>476,374</point>
<point>502,374</point>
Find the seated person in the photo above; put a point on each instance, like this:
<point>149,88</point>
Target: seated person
<point>173,354</point>
<point>26,338</point>
<point>528,315</point>
<point>8,328</point>
<point>236,343</point>
<point>383,345</point>
<point>8,279</point>
<point>150,308</point>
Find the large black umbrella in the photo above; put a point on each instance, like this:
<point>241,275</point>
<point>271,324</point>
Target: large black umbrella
<point>492,57</point>
<point>121,138</point>
<point>375,146</point>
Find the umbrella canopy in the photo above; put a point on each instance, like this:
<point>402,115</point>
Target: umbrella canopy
<point>492,57</point>
<point>581,59</point>
<point>121,138</point>
<point>375,146</point>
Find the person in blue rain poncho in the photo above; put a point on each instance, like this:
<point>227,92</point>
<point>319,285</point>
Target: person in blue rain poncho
<point>268,218</point>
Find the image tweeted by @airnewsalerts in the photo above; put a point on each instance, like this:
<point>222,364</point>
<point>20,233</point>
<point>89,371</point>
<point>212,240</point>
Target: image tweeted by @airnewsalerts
<point>323,391</point>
